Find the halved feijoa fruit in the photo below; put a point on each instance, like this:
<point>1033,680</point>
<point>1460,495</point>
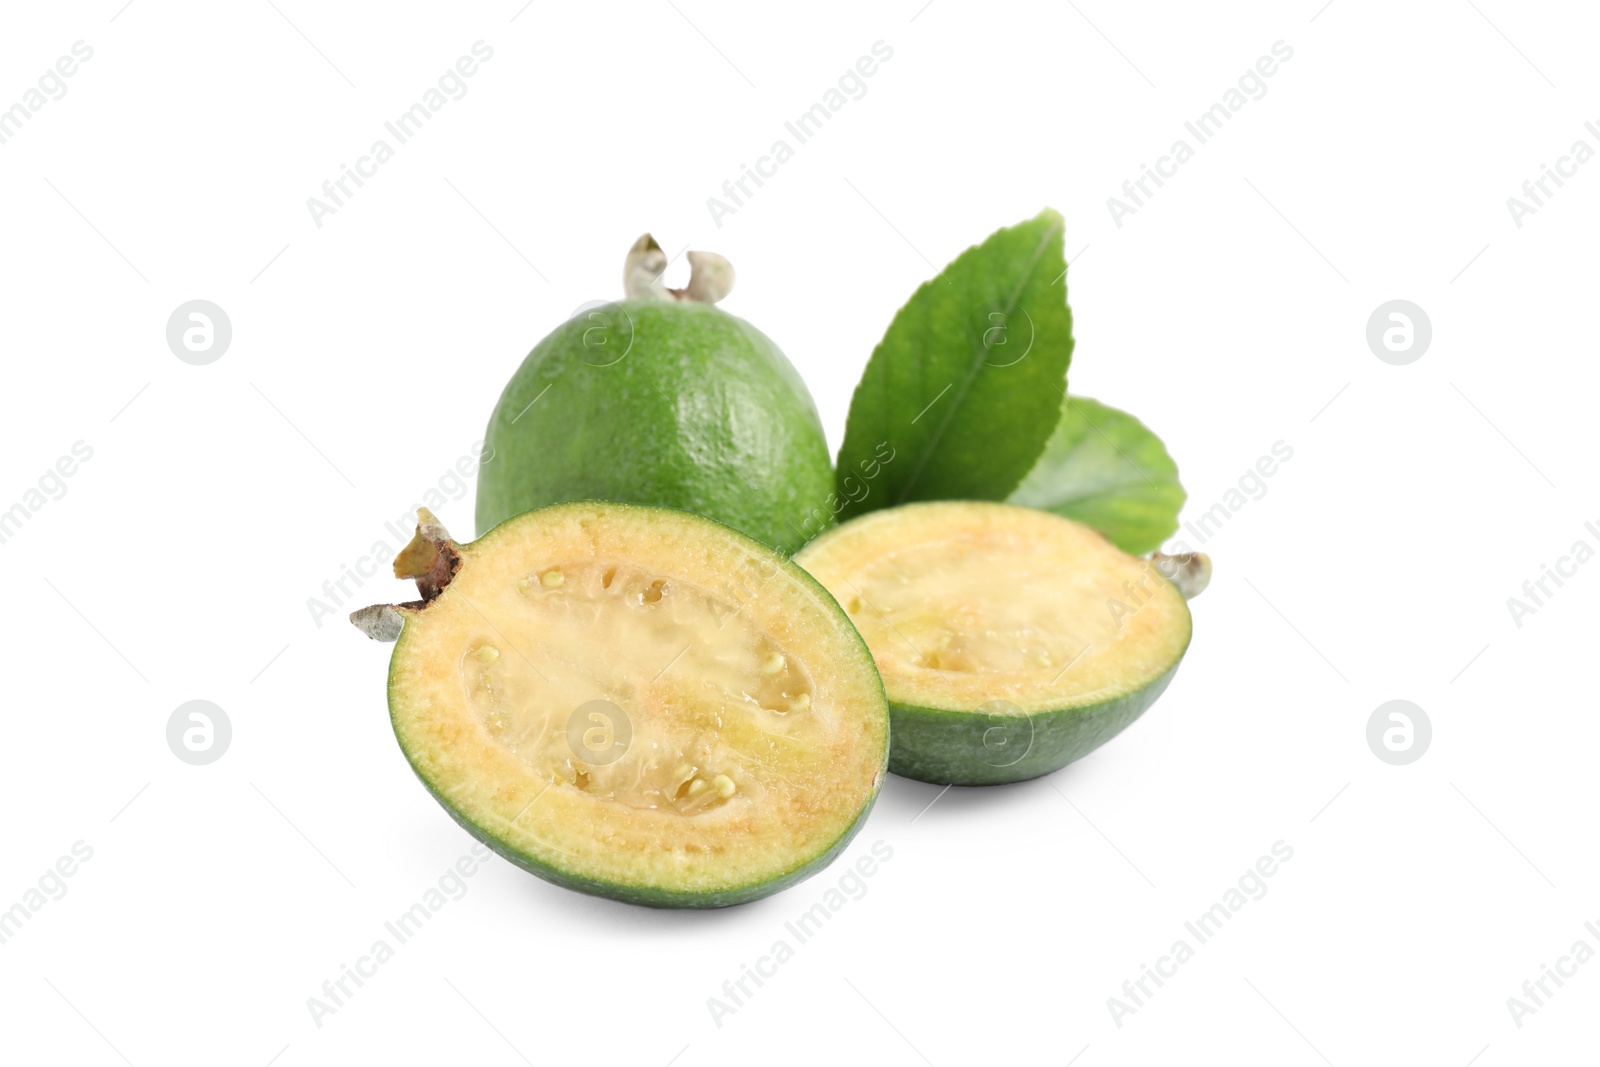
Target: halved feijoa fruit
<point>635,702</point>
<point>1011,641</point>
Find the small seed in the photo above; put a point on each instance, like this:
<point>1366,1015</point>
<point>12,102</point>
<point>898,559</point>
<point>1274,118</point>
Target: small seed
<point>801,702</point>
<point>724,786</point>
<point>487,653</point>
<point>522,585</point>
<point>552,579</point>
<point>697,786</point>
<point>773,664</point>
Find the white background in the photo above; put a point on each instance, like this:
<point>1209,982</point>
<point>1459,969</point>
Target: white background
<point>1229,313</point>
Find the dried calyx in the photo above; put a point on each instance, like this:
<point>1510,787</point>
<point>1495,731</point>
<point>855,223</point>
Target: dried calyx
<point>710,275</point>
<point>1189,571</point>
<point>432,559</point>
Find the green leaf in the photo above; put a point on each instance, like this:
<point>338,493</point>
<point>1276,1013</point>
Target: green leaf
<point>1105,469</point>
<point>965,388</point>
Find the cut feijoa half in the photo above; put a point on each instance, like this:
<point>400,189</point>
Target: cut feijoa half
<point>1011,641</point>
<point>634,702</point>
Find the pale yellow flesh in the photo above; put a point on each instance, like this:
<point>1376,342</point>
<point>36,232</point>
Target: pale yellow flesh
<point>1011,609</point>
<point>711,708</point>
<point>757,730</point>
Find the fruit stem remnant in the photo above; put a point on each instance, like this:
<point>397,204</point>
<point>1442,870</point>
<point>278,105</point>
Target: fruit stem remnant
<point>432,558</point>
<point>1189,571</point>
<point>710,275</point>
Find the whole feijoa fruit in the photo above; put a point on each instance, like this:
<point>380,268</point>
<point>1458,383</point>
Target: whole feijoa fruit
<point>662,399</point>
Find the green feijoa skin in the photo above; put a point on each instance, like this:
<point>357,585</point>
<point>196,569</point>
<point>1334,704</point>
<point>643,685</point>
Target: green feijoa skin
<point>663,399</point>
